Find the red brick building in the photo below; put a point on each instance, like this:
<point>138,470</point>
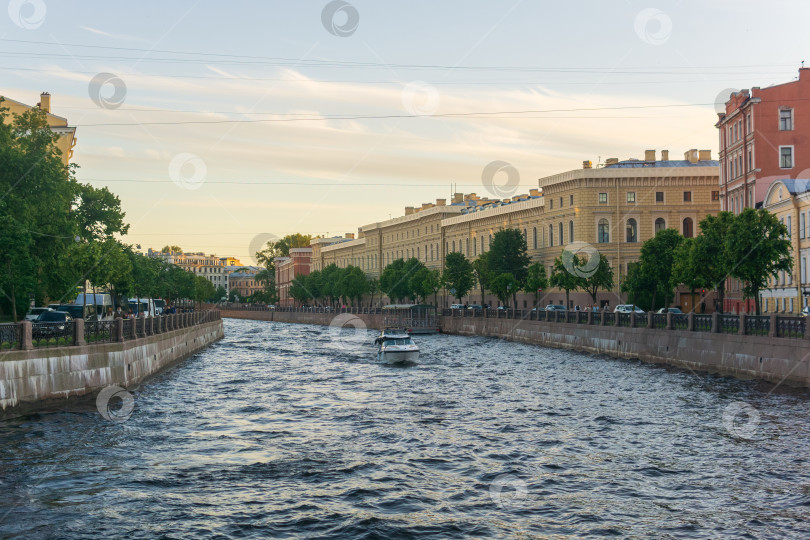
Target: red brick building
<point>299,263</point>
<point>764,136</point>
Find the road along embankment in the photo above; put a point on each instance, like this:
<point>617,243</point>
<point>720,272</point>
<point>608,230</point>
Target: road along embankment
<point>43,378</point>
<point>774,359</point>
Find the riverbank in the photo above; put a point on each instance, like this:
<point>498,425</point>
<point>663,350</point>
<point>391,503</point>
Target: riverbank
<point>773,359</point>
<point>42,378</point>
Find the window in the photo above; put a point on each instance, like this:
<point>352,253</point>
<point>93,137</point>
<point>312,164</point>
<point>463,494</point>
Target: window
<point>631,197</point>
<point>786,157</point>
<point>551,235</point>
<point>570,231</point>
<point>475,248</point>
<point>482,244</point>
<point>603,231</point>
<point>659,196</point>
<point>468,248</point>
<point>551,204</point>
<point>561,203</point>
<point>687,196</point>
<point>560,232</point>
<point>801,225</point>
<point>571,200</point>
<point>790,226</point>
<point>632,231</point>
<point>454,246</point>
<point>603,198</point>
<point>715,195</point>
<point>660,225</point>
<point>534,239</point>
<point>786,120</point>
<point>687,228</point>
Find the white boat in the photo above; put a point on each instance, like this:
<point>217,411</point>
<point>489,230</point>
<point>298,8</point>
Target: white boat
<point>396,347</point>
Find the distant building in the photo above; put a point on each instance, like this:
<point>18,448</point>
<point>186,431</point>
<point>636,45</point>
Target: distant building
<point>59,125</point>
<point>789,292</point>
<point>210,267</point>
<point>299,263</point>
<point>244,283</point>
<point>764,137</point>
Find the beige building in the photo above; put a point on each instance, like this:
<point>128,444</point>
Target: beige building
<point>59,125</point>
<point>789,201</point>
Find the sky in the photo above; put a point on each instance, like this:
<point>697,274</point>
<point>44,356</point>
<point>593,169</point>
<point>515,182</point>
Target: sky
<point>221,125</point>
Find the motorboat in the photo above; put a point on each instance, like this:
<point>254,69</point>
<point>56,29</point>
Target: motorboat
<point>395,346</point>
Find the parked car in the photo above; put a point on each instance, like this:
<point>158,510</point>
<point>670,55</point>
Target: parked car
<point>88,312</point>
<point>35,312</point>
<point>628,308</point>
<point>456,306</point>
<point>99,301</point>
<point>669,310</point>
<point>475,306</point>
<point>556,307</point>
<point>160,306</point>
<point>146,306</point>
<point>57,320</point>
<point>805,311</point>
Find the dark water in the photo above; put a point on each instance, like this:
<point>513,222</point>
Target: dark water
<point>290,431</point>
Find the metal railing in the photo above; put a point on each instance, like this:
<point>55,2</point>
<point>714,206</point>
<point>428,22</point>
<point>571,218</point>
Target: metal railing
<point>680,321</point>
<point>53,334</point>
<point>99,331</point>
<point>702,323</point>
<point>729,324</point>
<point>10,336</point>
<point>791,327</point>
<point>757,325</point>
<point>659,320</point>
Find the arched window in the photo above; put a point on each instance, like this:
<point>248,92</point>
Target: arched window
<point>526,238</point>
<point>534,237</point>
<point>551,235</point>
<point>454,245</point>
<point>660,225</point>
<point>417,252</point>
<point>467,251</point>
<point>431,252</point>
<point>688,230</point>
<point>571,230</point>
<point>603,232</point>
<point>475,248</point>
<point>482,244</point>
<point>632,230</point>
<point>560,233</point>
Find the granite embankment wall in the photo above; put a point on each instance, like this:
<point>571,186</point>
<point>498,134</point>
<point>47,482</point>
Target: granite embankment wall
<point>36,379</point>
<point>373,321</point>
<point>778,360</point>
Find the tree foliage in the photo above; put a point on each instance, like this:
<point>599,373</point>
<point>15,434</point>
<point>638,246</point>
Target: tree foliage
<point>458,276</point>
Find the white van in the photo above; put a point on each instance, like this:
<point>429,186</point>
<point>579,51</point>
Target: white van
<point>101,301</point>
<point>146,306</point>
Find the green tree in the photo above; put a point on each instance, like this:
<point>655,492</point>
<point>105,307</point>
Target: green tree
<point>507,255</point>
<point>711,261</point>
<point>564,279</point>
<point>394,281</point>
<point>299,290</point>
<point>219,294</point>
<point>171,249</point>
<point>203,289</point>
<point>504,286</point>
<point>458,275</point>
<point>657,260</point>
<point>637,286</point>
<point>536,281</point>
<point>758,247</point>
<point>421,284</point>
<point>483,275</point>
<point>354,284</point>
<point>97,213</point>
<point>685,270</point>
<point>601,278</point>
<point>373,289</point>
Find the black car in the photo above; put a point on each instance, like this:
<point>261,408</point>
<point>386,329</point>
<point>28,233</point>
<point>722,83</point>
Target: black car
<point>76,311</point>
<point>52,324</point>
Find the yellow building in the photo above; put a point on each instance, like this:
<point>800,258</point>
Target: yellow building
<point>789,201</point>
<point>59,125</point>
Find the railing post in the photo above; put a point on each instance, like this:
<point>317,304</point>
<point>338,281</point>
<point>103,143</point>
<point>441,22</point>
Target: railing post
<point>650,315</point>
<point>741,329</point>
<point>26,336</point>
<point>772,326</point>
<point>617,319</point>
<point>690,321</point>
<point>715,323</point>
<point>78,332</point>
<point>590,317</point>
<point>151,326</point>
<point>806,328</point>
<point>118,328</point>
<point>557,315</point>
<point>633,319</point>
<point>669,320</point>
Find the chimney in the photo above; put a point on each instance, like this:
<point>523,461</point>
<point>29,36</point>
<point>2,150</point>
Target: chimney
<point>426,205</point>
<point>649,155</point>
<point>516,198</point>
<point>691,155</point>
<point>409,210</point>
<point>664,155</point>
<point>705,155</point>
<point>45,102</point>
<point>441,202</point>
<point>458,197</point>
<point>536,192</point>
<point>587,164</point>
<point>350,236</point>
<point>611,161</point>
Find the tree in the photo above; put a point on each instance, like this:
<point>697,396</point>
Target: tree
<point>299,290</point>
<point>504,286</point>
<point>483,274</point>
<point>98,214</point>
<point>685,270</point>
<point>564,279</point>
<point>373,289</point>
<point>203,289</point>
<point>758,247</point>
<point>536,281</point>
<point>354,284</point>
<point>421,284</point>
<point>507,255</point>
<point>458,275</point>
<point>710,259</point>
<point>219,294</point>
<point>657,260</point>
<point>601,278</point>
<point>171,249</point>
<point>637,286</point>
<point>395,280</point>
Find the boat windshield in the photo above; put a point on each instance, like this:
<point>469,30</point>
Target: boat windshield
<point>403,341</point>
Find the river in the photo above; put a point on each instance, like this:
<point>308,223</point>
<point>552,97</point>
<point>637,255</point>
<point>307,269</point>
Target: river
<point>295,431</point>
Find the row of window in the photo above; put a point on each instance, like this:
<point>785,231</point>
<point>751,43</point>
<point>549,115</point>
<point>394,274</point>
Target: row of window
<point>659,197</point>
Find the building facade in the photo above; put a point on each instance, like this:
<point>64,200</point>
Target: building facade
<point>299,263</point>
<point>67,135</point>
<point>789,201</point>
<point>244,283</point>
